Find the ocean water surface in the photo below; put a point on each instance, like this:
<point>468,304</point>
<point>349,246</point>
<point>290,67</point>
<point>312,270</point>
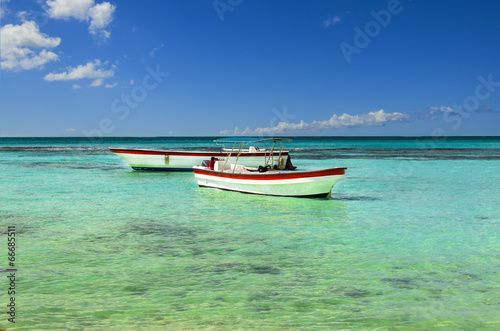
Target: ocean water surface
<point>408,241</point>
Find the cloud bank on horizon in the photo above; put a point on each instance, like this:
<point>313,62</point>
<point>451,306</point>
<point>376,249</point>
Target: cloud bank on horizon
<point>373,118</point>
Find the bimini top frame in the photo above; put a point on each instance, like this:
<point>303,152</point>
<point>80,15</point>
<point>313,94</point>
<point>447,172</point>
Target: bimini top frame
<point>249,140</point>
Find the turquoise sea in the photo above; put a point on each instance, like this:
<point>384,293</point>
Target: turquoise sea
<point>410,240</point>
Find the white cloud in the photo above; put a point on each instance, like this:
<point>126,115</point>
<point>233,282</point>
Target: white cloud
<point>99,15</point>
<point>110,85</point>
<point>373,118</point>
<point>432,113</point>
<point>443,109</point>
<point>18,42</point>
<point>332,20</point>
<point>91,70</point>
<point>377,118</point>
<point>69,130</point>
<point>66,9</point>
<point>76,86</point>
<point>96,83</point>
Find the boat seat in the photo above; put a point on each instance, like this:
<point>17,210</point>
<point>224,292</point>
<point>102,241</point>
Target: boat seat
<point>219,164</point>
<point>252,149</point>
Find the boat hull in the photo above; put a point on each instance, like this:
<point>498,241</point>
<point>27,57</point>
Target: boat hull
<point>148,159</point>
<point>313,184</point>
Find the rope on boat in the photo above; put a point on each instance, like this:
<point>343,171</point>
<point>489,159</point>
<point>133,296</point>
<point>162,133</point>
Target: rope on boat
<point>189,181</point>
<point>60,164</point>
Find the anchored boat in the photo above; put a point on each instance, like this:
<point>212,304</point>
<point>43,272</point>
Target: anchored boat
<point>164,160</point>
<point>267,179</point>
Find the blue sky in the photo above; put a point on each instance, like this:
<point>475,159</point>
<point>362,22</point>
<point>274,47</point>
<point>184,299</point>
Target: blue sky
<point>251,67</point>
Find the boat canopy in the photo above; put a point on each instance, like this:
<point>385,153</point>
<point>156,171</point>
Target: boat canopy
<point>248,140</point>
<point>268,159</point>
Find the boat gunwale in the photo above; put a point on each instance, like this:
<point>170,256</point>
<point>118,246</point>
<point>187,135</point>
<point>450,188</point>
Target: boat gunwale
<point>139,151</point>
<point>271,175</point>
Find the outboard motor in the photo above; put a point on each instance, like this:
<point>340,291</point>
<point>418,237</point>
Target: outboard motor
<point>289,165</point>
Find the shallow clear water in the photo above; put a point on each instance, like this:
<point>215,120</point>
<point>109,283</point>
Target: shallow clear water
<point>409,239</point>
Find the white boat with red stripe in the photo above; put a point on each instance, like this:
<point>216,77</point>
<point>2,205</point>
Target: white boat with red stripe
<point>267,179</point>
<point>165,160</point>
